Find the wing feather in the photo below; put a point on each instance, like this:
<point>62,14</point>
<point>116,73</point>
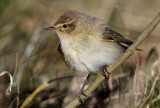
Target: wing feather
<point>110,34</point>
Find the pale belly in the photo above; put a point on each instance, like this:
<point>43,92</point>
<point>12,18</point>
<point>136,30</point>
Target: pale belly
<point>92,58</point>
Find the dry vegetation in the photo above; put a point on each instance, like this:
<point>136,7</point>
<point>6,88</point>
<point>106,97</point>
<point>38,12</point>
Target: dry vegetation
<point>30,54</point>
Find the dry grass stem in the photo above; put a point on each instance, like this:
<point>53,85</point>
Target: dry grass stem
<point>8,91</point>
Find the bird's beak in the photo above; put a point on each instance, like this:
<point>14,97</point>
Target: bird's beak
<point>50,28</point>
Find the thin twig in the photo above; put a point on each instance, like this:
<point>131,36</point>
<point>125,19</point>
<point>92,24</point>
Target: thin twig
<point>112,67</point>
<point>121,18</point>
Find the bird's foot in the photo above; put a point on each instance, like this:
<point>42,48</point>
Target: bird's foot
<point>105,73</point>
<point>79,96</point>
<point>82,90</point>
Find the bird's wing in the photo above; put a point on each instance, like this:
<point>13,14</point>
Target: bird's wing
<point>111,35</point>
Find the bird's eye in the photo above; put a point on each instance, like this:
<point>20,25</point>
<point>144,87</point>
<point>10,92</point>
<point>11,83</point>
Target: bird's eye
<point>64,26</point>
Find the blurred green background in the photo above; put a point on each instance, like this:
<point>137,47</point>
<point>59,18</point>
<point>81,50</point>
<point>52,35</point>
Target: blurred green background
<point>30,53</point>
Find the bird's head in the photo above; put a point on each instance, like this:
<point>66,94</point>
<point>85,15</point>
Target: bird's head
<point>71,23</point>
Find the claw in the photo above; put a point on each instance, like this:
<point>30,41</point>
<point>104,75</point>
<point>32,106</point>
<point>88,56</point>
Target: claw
<point>106,76</point>
<point>81,93</point>
<point>104,73</point>
<point>80,99</point>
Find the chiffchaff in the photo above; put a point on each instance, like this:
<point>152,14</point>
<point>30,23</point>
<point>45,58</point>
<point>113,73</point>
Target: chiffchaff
<point>86,42</point>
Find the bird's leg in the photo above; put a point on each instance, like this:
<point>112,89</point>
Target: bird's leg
<point>82,89</point>
<point>105,72</point>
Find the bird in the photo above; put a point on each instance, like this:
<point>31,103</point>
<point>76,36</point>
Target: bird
<point>88,44</point>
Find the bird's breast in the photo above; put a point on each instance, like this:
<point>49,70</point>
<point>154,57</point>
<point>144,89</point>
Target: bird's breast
<point>72,53</point>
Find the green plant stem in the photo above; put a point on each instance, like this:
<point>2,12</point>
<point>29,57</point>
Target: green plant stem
<point>125,56</point>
